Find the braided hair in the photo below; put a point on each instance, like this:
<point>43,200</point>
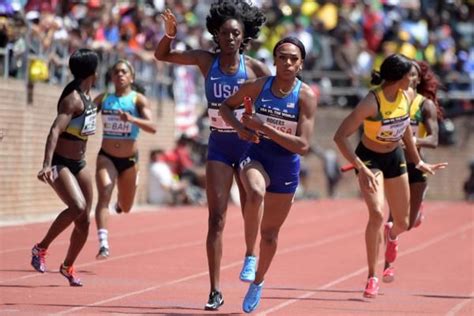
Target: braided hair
<point>250,16</point>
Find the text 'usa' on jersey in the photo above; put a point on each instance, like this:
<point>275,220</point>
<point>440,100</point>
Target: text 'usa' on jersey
<point>219,86</point>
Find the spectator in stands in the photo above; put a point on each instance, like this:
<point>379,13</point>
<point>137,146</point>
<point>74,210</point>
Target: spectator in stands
<point>232,24</point>
<point>331,167</point>
<point>64,167</point>
<point>125,112</point>
<point>164,187</point>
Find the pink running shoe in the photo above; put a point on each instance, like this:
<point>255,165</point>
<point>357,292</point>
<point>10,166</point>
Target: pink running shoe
<point>419,218</point>
<point>388,275</point>
<point>372,288</point>
<point>391,249</point>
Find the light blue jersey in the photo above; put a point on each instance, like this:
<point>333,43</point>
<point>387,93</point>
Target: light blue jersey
<point>114,127</point>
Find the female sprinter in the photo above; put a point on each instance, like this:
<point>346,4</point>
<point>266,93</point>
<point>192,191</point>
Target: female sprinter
<point>284,116</point>
<point>64,167</point>
<point>124,113</point>
<point>379,159</point>
<point>425,111</point>
<point>232,24</point>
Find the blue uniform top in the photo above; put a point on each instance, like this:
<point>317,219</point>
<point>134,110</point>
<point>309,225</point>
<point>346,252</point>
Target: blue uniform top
<point>220,86</point>
<point>281,165</point>
<point>114,127</point>
<point>280,113</point>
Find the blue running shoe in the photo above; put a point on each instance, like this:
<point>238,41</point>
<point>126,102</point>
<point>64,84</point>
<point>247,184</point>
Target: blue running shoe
<point>252,298</point>
<point>248,270</point>
<point>38,258</point>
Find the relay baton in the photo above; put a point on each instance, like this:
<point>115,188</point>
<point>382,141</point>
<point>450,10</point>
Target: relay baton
<point>248,110</point>
<point>347,167</point>
<point>248,105</point>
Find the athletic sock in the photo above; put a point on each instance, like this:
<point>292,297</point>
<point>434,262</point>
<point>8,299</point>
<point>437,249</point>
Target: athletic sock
<point>103,237</point>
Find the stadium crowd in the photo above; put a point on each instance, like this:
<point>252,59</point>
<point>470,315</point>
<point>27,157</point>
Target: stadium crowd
<point>343,35</point>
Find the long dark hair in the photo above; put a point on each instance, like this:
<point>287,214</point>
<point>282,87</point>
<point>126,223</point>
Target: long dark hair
<point>429,84</point>
<point>251,17</point>
<point>393,68</point>
<point>82,63</point>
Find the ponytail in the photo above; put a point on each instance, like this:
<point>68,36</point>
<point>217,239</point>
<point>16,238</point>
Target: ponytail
<point>70,87</point>
<point>376,78</point>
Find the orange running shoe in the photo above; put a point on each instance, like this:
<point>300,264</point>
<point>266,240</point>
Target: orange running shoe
<point>69,274</point>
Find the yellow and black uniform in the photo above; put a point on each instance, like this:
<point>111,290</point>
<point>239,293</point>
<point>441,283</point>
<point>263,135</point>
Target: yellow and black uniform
<point>79,129</point>
<point>388,126</point>
<point>419,131</point>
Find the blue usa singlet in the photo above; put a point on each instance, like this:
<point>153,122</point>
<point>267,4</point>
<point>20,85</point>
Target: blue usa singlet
<point>224,143</point>
<point>281,165</point>
<point>113,126</point>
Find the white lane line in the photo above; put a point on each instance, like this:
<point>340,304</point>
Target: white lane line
<point>453,311</point>
<point>364,269</point>
<point>205,273</point>
<point>170,247</point>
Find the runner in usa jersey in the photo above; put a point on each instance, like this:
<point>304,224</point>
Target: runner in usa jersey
<point>283,119</point>
<point>232,25</point>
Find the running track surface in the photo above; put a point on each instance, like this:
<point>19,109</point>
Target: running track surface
<point>158,265</point>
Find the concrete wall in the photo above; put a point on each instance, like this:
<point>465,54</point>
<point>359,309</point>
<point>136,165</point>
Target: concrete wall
<point>25,128</point>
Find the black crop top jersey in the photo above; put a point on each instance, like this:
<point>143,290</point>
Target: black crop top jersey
<point>83,125</point>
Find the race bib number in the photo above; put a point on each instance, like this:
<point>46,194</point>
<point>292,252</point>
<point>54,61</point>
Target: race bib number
<point>217,122</point>
<point>392,132</point>
<point>90,124</point>
<point>114,125</point>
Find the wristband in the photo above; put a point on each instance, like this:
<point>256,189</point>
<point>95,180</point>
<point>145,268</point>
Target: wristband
<point>419,164</point>
<point>169,36</point>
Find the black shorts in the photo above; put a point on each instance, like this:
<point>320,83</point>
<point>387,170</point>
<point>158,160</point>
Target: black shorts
<point>75,166</point>
<point>121,164</point>
<point>415,175</point>
<point>392,164</point>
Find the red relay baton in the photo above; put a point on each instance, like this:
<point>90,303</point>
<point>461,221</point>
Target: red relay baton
<point>248,109</point>
<point>248,105</point>
<point>347,167</point>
